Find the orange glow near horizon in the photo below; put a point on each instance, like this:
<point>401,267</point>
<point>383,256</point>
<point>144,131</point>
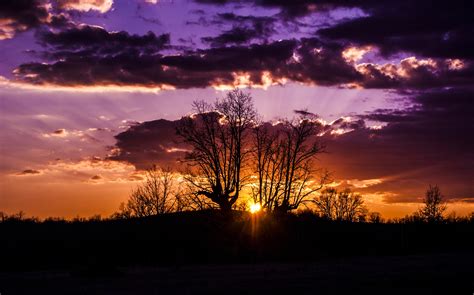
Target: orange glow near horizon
<point>255,208</point>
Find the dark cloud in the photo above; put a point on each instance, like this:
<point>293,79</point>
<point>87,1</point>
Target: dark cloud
<point>247,19</point>
<point>321,63</point>
<point>156,142</point>
<point>427,28</point>
<point>21,15</point>
<point>91,56</point>
<point>305,113</point>
<point>130,66</point>
<point>236,35</point>
<point>237,58</point>
<point>429,143</point>
<point>88,55</point>
<point>28,172</point>
<point>292,9</point>
<point>96,177</point>
<point>413,73</point>
<point>92,40</point>
<point>149,143</point>
<point>59,131</point>
<point>245,29</point>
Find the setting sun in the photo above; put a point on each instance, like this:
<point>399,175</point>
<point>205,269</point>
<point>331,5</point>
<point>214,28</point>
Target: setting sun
<point>254,208</point>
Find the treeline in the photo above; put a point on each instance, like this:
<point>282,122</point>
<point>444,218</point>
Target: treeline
<point>164,191</point>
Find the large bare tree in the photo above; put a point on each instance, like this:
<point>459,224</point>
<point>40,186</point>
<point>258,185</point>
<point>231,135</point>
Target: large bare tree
<point>284,156</point>
<point>218,136</point>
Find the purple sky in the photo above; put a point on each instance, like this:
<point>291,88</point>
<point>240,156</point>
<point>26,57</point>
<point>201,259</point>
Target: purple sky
<point>76,73</point>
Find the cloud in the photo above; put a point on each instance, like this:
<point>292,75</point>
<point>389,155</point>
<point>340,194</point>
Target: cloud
<point>245,29</point>
<point>363,183</point>
<point>353,54</point>
<point>87,135</point>
<point>236,35</point>
<point>59,132</point>
<point>101,6</point>
<point>308,61</point>
<point>415,73</point>
<point>100,58</point>
<point>156,142</point>
<point>96,177</point>
<point>91,56</point>
<point>28,172</point>
<point>149,143</point>
<point>96,41</point>
<point>244,55</point>
<point>427,143</point>
<point>291,9</point>
<point>129,63</point>
<point>443,29</point>
<point>90,170</point>
<point>20,15</point>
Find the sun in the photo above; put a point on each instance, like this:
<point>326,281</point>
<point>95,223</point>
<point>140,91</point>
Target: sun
<point>254,208</point>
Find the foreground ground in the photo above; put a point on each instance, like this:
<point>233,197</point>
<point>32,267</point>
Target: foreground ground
<point>207,253</point>
<point>449,273</point>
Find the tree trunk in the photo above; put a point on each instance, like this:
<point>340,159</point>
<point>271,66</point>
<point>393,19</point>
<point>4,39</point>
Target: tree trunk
<point>225,206</point>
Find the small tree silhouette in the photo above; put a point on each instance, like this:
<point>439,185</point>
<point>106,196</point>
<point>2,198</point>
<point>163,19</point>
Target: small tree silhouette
<point>375,217</point>
<point>434,206</point>
<point>159,193</point>
<point>341,206</point>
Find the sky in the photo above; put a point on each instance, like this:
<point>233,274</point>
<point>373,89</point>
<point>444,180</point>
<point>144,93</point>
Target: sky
<point>90,92</point>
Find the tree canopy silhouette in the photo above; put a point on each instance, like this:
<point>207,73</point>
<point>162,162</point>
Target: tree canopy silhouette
<point>434,206</point>
<point>218,133</point>
<point>284,157</point>
<point>159,193</point>
<point>341,206</point>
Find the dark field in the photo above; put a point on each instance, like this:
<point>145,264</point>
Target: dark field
<point>208,253</point>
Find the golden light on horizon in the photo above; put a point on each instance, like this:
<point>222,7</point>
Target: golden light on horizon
<point>255,208</point>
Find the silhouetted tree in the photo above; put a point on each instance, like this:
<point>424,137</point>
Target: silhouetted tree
<point>159,193</point>
<point>341,206</point>
<point>217,134</point>
<point>193,201</point>
<point>375,217</point>
<point>434,206</point>
<point>284,157</point>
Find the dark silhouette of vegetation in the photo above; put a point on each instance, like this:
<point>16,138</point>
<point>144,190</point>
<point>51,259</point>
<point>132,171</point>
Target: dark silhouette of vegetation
<point>211,237</point>
<point>284,163</point>
<point>159,193</point>
<point>434,205</point>
<point>375,217</point>
<point>218,135</point>
<point>341,206</point>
